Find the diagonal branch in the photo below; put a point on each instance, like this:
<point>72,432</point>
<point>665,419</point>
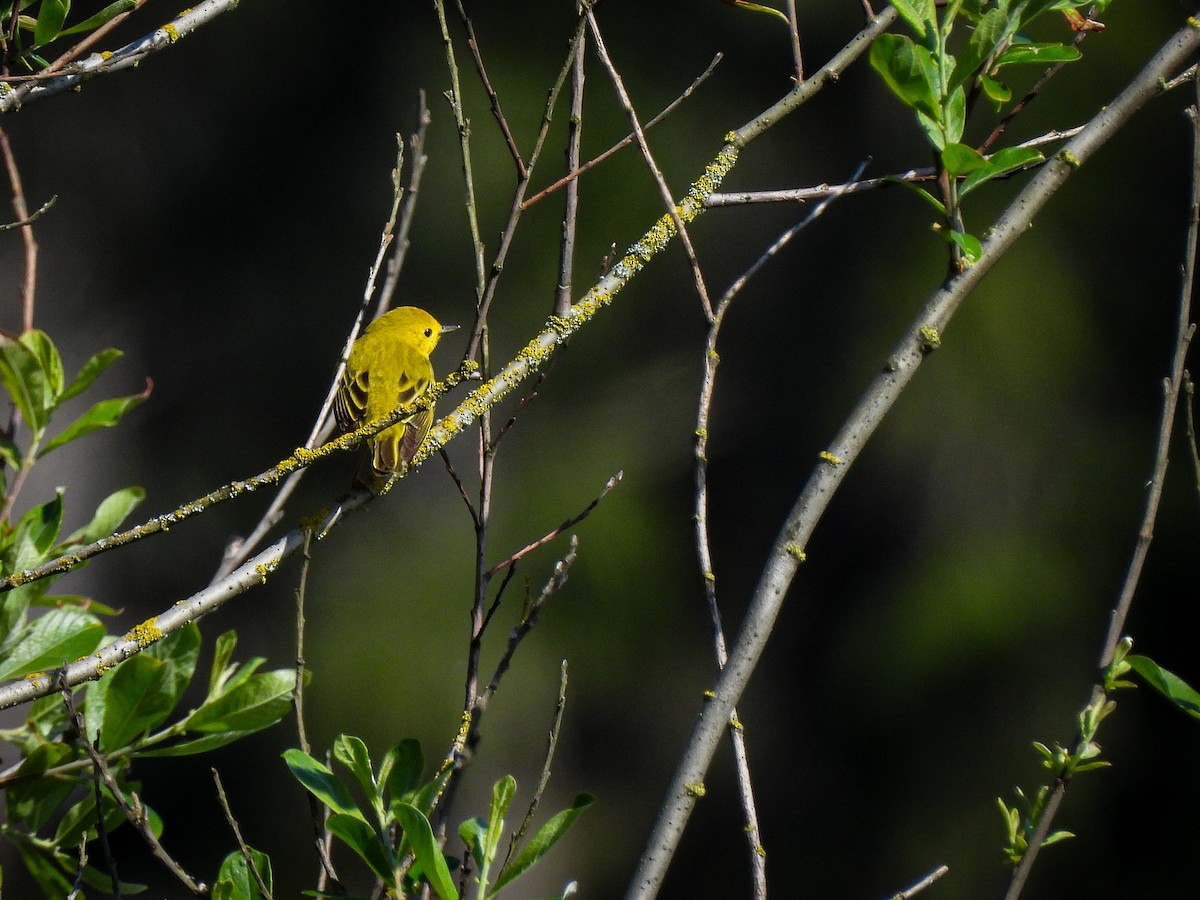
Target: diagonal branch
<point>923,336</point>
<point>36,87</point>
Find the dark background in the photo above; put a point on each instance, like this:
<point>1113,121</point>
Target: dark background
<point>218,210</point>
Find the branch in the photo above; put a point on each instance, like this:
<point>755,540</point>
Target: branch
<point>38,86</point>
<point>923,335</point>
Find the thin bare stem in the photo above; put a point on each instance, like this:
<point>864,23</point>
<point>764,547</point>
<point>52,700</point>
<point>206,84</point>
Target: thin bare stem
<point>794,36</point>
<point>508,232</point>
<point>628,139</point>
<point>923,335</point>
<point>493,97</point>
<point>1172,387</point>
<point>703,544</point>
<point>29,283</point>
<point>910,892</point>
<point>640,135</point>
<point>555,532</point>
<point>223,800</point>
<point>131,806</point>
<point>566,253</point>
<point>547,760</point>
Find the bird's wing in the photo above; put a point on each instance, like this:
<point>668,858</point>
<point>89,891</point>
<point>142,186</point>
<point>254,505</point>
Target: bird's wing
<point>350,404</point>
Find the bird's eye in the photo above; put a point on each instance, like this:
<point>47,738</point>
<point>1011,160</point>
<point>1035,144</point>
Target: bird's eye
<point>428,332</point>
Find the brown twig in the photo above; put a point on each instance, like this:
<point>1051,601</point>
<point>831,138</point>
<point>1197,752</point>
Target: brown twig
<point>703,544</point>
<point>29,283</point>
<point>685,240</point>
<point>1029,97</point>
<point>566,252</point>
<point>223,800</point>
<point>544,778</point>
<point>508,232</point>
<point>493,97</point>
<point>794,36</point>
<point>132,807</point>
<point>1172,388</point>
<point>553,533</point>
<point>628,139</point>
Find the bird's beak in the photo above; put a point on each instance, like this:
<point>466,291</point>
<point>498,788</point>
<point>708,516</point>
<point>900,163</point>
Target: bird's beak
<point>448,328</point>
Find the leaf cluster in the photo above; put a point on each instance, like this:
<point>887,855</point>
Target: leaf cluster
<point>941,88</point>
<point>390,829</point>
<point>41,22</point>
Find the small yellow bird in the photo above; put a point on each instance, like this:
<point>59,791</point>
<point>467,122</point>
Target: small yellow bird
<point>388,367</point>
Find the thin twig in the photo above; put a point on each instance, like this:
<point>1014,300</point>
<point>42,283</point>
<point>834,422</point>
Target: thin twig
<point>1172,387</point>
<point>566,252</point>
<point>223,800</point>
<point>909,893</point>
<point>544,778</point>
<point>685,240</point>
<point>703,545</point>
<point>29,283</point>
<point>493,97</point>
<point>555,532</point>
<point>628,139</point>
<point>1029,97</point>
<point>517,207</point>
<point>794,36</point>
<point>408,207</point>
<point>1189,403</point>
<point>901,367</point>
<point>132,807</point>
<point>529,619</point>
<point>36,87</point>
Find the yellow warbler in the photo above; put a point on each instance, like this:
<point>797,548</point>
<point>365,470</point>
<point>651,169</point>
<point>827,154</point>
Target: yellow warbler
<point>388,367</point>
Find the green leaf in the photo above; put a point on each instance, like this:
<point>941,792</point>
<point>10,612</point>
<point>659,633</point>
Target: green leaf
<point>1026,54</point>
<point>956,115</point>
<point>425,848</point>
<point>352,753</point>
<point>503,792</point>
<point>908,69</point>
<point>402,768</point>
<point>80,819</point>
<point>180,652</point>
<point>55,638</point>
<point>997,91</point>
<point>101,18</point>
<point>235,881</point>
<point>51,15</point>
<point>92,368</point>
<point>222,652</point>
<point>1003,162</point>
<point>139,698</point>
<point>916,13</point>
<point>36,532</point>
<point>1167,683</point>
<point>959,159</point>
<point>989,32</point>
<point>104,414</point>
<point>195,746</point>
<point>25,382</point>
<point>967,243</point>
<point>922,193</point>
<point>31,800</point>
<point>255,704</point>
<point>547,836</point>
<point>363,840</point>
<point>112,511</point>
<point>49,361</point>
<point>321,783</point>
